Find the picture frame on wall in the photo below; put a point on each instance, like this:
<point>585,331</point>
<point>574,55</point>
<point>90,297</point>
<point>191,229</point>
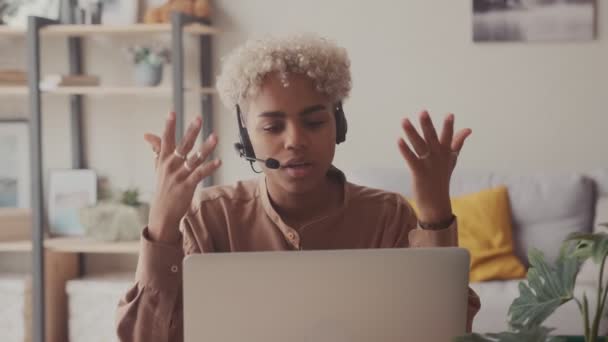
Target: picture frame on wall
<point>15,13</point>
<point>15,182</point>
<point>534,20</point>
<point>70,190</point>
<point>119,12</point>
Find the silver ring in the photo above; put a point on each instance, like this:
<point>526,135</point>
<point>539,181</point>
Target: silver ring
<point>155,154</point>
<point>187,166</point>
<point>179,155</point>
<point>424,156</point>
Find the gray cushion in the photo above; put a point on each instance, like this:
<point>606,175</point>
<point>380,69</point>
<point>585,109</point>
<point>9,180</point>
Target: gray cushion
<point>600,177</point>
<point>545,207</point>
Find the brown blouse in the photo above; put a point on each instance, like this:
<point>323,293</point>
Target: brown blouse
<point>241,218</point>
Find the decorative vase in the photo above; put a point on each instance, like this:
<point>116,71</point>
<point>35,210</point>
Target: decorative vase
<point>148,75</point>
<point>114,221</point>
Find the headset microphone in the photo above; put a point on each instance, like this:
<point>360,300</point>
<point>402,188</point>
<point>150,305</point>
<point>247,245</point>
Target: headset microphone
<point>270,163</point>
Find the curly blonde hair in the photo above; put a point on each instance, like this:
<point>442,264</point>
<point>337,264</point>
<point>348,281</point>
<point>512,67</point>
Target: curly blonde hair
<point>322,60</point>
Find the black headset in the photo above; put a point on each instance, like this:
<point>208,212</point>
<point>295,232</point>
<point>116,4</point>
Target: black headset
<point>245,148</point>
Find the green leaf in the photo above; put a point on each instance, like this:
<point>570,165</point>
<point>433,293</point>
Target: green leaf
<point>588,245</point>
<point>586,314</point>
<point>546,289</point>
<point>472,338</point>
<point>536,334</point>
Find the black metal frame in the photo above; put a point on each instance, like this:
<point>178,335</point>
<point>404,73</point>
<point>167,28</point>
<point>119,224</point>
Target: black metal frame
<point>35,24</point>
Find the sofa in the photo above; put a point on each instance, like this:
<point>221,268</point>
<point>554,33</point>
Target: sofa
<point>545,208</point>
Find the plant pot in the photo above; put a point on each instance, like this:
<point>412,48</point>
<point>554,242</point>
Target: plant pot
<point>114,221</point>
<point>148,75</point>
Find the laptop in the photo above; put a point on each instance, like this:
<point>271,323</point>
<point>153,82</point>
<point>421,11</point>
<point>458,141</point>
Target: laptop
<point>388,295</point>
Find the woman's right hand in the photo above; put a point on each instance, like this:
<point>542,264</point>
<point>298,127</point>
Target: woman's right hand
<point>177,177</point>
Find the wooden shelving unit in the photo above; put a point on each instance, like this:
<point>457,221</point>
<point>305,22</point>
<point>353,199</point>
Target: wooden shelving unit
<point>56,260</point>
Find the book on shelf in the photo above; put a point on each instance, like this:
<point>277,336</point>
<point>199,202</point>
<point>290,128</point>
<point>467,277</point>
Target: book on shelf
<point>50,82</point>
<point>13,77</point>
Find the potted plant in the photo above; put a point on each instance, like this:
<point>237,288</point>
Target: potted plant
<point>549,286</point>
<point>149,61</point>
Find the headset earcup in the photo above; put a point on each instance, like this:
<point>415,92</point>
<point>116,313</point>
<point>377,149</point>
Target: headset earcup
<point>341,125</point>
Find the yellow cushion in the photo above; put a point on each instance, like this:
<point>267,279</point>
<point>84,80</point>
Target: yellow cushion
<point>485,229</point>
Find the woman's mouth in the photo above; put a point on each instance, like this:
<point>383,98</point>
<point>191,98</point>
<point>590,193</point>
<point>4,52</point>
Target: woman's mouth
<point>298,170</point>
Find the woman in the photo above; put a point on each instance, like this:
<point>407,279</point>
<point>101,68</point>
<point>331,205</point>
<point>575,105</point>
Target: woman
<point>287,93</point>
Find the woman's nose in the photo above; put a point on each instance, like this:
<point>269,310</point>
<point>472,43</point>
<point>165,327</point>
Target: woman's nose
<point>295,137</point>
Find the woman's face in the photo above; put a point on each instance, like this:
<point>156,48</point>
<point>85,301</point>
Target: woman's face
<point>296,126</point>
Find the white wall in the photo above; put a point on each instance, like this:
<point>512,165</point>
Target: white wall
<point>531,106</point>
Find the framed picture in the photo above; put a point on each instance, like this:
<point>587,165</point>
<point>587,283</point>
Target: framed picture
<point>14,164</point>
<point>119,12</point>
<point>15,12</point>
<point>70,191</point>
<point>534,20</point>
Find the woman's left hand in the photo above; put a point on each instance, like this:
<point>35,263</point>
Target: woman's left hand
<point>431,163</point>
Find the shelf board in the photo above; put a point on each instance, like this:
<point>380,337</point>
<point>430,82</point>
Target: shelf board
<point>74,245</point>
<point>104,91</point>
<point>11,31</point>
<point>13,90</point>
<point>15,246</point>
<point>91,30</point>
<point>122,90</point>
<point>84,245</point>
<point>88,30</point>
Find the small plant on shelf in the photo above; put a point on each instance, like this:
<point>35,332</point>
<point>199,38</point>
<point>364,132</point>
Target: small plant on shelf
<point>148,61</point>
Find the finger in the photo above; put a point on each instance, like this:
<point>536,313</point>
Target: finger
<point>168,141</point>
<point>185,146</point>
<point>414,138</point>
<point>447,134</point>
<point>408,155</point>
<point>203,171</point>
<point>199,157</point>
<point>154,141</point>
<point>459,139</point>
<point>428,130</point>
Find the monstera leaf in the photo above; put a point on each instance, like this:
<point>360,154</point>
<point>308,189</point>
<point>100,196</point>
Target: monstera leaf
<point>547,288</point>
<point>594,246</point>
<point>536,334</point>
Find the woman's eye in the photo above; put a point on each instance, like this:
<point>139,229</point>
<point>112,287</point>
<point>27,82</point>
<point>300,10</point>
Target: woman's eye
<point>272,129</point>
